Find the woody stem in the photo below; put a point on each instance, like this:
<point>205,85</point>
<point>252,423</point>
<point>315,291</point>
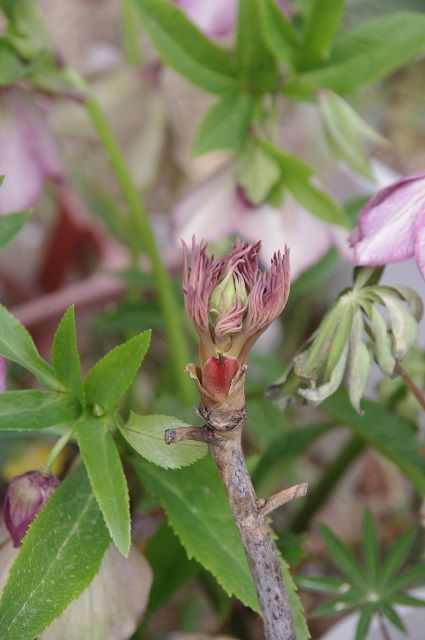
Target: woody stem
<point>251,519</point>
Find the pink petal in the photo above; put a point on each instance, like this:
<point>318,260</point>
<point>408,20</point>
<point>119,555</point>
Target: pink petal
<point>112,606</point>
<point>420,241</point>
<point>210,210</point>
<point>3,375</point>
<point>215,17</point>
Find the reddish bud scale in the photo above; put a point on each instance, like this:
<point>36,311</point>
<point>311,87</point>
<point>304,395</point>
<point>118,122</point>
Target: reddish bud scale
<point>217,375</point>
<point>26,495</point>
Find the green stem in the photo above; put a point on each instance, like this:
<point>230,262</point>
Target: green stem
<point>410,384</point>
<point>130,32</point>
<point>327,483</point>
<point>56,449</point>
<point>143,232</point>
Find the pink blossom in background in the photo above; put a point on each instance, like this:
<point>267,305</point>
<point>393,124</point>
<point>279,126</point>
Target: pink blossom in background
<point>217,208</point>
<point>3,377</point>
<point>391,227</point>
<point>28,153</point>
<point>216,18</point>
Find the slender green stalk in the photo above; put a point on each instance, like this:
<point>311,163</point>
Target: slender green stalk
<point>327,483</point>
<point>130,32</point>
<point>57,448</point>
<point>144,235</point>
<point>410,384</point>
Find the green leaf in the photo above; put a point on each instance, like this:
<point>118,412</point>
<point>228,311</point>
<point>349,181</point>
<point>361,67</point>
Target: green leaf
<point>364,621</point>
<point>385,431</point>
<point>369,52</point>
<point>11,224</point>
<point>370,547</point>
<point>406,599</point>
<point>170,566</point>
<point>397,555</point>
<point>392,615</point>
<point>359,362</point>
<point>404,328</point>
<point>322,21</point>
<point>342,557</point>
<point>342,604</point>
<point>226,125</point>
<point>28,410</point>
<point>258,173</point>
<point>321,584</point>
<point>146,436</point>
<point>382,342</point>
<point>17,345</point>
<point>316,395</point>
<point>256,65</point>
<point>65,358</point>
<point>185,48</point>
<point>60,556</point>
<point>409,578</point>
<point>104,468</point>
<point>11,67</point>
<point>279,33</point>
<point>111,377</point>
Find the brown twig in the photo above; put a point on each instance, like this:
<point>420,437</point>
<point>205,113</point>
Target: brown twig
<point>419,395</point>
<point>223,433</point>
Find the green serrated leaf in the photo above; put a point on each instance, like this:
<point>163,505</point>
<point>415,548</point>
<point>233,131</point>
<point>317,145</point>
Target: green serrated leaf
<point>280,35</point>
<point>17,345</point>
<point>11,224</point>
<point>370,547</point>
<point>343,557</point>
<point>104,468</point>
<point>65,358</point>
<point>226,125</point>
<point>385,431</point>
<point>111,377</point>
<point>60,555</point>
<point>32,410</point>
<point>322,21</point>
<point>185,48</point>
<point>146,436</point>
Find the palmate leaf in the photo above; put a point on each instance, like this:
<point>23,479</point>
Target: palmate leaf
<point>343,557</point>
<point>408,578</point>
<point>370,547</point>
<point>60,555</point>
<point>397,555</point>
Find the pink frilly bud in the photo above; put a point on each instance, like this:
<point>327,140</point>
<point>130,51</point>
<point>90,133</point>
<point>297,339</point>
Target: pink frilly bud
<point>391,227</point>
<point>231,302</point>
<point>26,495</point>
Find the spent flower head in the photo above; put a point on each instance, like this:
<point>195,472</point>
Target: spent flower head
<point>231,302</point>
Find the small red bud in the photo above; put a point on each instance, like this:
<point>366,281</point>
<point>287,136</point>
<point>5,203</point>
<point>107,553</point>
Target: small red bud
<point>26,495</point>
<point>217,376</point>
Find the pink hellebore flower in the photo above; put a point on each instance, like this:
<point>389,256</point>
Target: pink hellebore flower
<point>391,227</point>
<point>217,208</point>
<point>28,154</point>
<point>231,303</point>
<point>26,495</point>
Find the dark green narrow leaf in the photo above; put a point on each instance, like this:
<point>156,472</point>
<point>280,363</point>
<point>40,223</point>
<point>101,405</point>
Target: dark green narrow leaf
<point>364,621</point>
<point>11,224</point>
<point>107,478</point>
<point>370,547</point>
<point>17,345</point>
<point>65,358</point>
<point>59,557</point>
<point>28,410</point>
<point>392,615</point>
<point>226,125</point>
<point>409,578</point>
<point>330,586</point>
<point>322,21</point>
<point>342,556</point>
<point>397,555</point>
<point>111,377</point>
<point>185,48</point>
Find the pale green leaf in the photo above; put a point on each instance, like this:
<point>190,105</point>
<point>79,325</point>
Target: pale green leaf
<point>60,556</point>
<point>17,345</point>
<point>28,410</point>
<point>185,48</point>
<point>382,342</point>
<point>258,173</point>
<point>146,436</point>
<point>65,358</point>
<point>104,468</point>
<point>226,125</point>
<point>359,362</point>
<point>111,377</point>
<point>256,65</point>
<point>11,224</point>
<point>322,21</point>
<point>404,328</point>
<point>316,395</point>
<point>279,33</point>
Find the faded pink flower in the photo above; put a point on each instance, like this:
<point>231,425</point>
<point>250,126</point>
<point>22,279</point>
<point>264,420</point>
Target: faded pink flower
<point>231,302</point>
<point>391,227</point>
<point>28,153</point>
<point>3,377</point>
<point>26,495</point>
